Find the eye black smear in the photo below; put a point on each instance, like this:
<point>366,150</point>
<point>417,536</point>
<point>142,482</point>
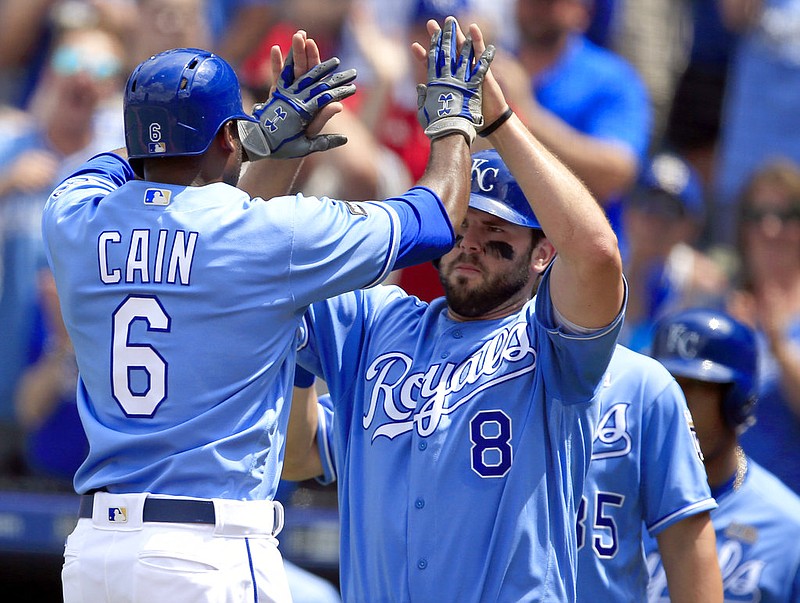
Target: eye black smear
<point>500,249</point>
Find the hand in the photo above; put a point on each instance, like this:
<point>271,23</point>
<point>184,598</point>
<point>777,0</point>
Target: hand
<point>301,94</point>
<point>451,100</point>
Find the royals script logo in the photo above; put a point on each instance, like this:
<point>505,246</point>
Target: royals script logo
<point>421,399</point>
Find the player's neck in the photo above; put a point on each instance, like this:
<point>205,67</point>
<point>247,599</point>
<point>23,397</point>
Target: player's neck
<point>725,466</point>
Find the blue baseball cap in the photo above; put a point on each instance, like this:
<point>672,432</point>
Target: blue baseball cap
<point>669,177</point>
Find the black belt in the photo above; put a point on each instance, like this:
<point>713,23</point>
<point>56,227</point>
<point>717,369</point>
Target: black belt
<point>164,510</point>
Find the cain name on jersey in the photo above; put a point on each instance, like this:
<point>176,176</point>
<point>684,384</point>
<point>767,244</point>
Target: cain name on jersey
<point>172,256</point>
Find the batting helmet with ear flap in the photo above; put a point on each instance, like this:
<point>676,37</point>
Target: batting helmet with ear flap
<point>495,191</point>
<point>710,345</point>
<point>176,101</point>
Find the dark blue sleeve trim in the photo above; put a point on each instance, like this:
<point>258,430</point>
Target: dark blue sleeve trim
<point>302,377</point>
<point>425,229</point>
<point>109,166</point>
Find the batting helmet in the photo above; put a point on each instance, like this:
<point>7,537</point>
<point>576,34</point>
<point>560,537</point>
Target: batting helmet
<point>495,191</point>
<point>710,345</point>
<point>176,101</point>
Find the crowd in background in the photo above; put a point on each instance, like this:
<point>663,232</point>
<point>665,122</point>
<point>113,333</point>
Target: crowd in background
<point>680,116</point>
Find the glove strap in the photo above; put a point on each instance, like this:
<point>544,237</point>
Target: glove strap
<point>450,125</point>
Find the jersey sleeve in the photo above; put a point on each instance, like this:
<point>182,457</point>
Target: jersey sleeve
<point>339,246</point>
<point>426,231</point>
<point>331,329</point>
<point>108,167</point>
<point>91,182</point>
<point>580,359</point>
<point>674,479</point>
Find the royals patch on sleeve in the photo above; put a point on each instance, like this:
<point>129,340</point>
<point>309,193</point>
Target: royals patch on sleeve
<point>357,209</point>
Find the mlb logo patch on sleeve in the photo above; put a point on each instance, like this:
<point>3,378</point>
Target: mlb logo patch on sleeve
<point>157,196</point>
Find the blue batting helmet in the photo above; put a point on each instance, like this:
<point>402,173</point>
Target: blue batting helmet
<point>712,346</point>
<point>495,191</point>
<point>176,101</point>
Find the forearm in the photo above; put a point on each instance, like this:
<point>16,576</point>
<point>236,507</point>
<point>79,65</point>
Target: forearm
<point>301,458</point>
<point>689,554</point>
<point>448,175</point>
<point>269,178</point>
<point>587,282</point>
<point>245,32</point>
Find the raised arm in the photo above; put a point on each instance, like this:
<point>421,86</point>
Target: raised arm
<point>586,282</point>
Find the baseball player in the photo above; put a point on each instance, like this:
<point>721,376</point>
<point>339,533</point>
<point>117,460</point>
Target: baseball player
<point>757,524</point>
<point>646,471</point>
<point>182,296</point>
<point>462,428</point>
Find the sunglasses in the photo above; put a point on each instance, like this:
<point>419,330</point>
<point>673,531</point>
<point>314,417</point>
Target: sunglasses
<point>69,61</point>
<point>757,215</point>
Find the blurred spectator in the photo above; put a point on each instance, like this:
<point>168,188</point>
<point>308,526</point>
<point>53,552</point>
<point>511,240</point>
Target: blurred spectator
<point>163,24</point>
<point>663,216</point>
<point>74,114</point>
<point>237,26</point>
<point>28,28</point>
<point>693,123</point>
<point>588,105</point>
<point>46,404</point>
<point>654,36</point>
<point>24,28</point>
<point>768,298</point>
<point>760,118</point>
<point>231,28</point>
<point>602,28</point>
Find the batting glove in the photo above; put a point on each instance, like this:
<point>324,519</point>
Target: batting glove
<point>451,101</point>
<point>282,121</point>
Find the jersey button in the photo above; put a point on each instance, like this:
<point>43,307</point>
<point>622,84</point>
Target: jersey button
<point>445,354</point>
<point>458,334</point>
<point>419,503</point>
<point>422,563</point>
<point>423,445</point>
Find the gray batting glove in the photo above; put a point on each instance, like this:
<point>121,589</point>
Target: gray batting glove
<point>282,121</point>
<point>451,101</point>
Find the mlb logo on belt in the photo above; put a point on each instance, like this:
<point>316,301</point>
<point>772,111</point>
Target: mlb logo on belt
<point>157,196</point>
<point>118,514</point>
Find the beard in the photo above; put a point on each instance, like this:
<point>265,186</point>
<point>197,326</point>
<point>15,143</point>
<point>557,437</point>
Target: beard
<point>495,291</point>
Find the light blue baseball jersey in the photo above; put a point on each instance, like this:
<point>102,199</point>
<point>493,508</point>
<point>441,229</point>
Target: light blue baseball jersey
<point>461,447</point>
<point>183,305</point>
<point>646,467</point>
<point>758,542</point>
